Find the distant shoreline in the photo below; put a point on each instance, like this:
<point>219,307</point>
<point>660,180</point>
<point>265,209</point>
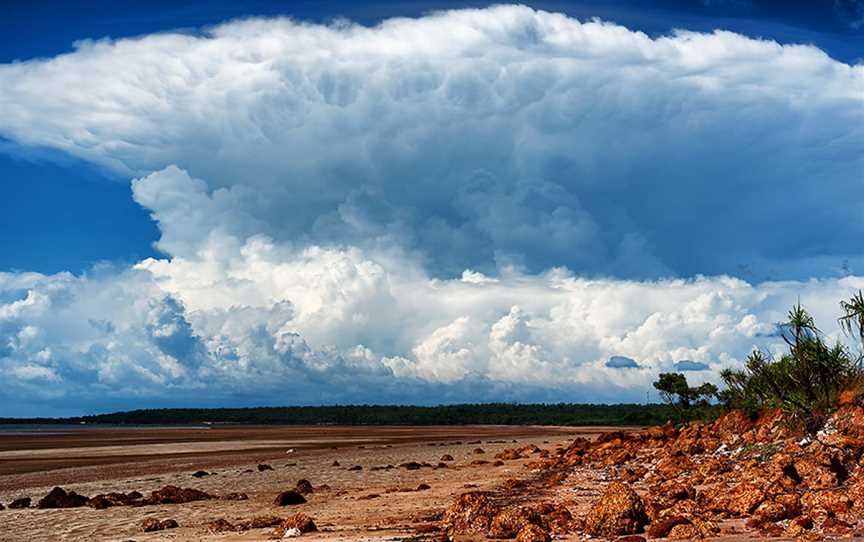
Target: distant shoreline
<point>560,414</point>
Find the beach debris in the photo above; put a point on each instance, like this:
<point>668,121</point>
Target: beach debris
<point>23,502</point>
<point>152,524</point>
<point>288,498</point>
<point>59,498</point>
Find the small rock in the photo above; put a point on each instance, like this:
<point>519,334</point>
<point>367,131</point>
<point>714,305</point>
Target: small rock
<point>262,467</point>
<point>303,487</point>
<point>355,468</point>
<point>200,473</point>
<point>23,502</point>
<point>446,457</point>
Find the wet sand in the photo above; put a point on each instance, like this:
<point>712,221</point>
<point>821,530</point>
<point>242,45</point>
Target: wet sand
<point>92,461</point>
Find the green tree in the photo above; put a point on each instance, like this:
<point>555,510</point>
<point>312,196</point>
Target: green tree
<point>676,392</point>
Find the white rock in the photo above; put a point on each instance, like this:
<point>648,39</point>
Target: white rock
<point>293,532</point>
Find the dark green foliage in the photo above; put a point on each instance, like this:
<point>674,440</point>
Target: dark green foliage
<point>686,400</point>
<point>804,382</point>
<point>493,413</point>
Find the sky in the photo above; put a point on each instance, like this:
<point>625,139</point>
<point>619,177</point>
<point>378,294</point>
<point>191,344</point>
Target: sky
<point>417,202</point>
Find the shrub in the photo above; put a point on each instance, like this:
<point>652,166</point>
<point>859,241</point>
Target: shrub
<point>805,381</point>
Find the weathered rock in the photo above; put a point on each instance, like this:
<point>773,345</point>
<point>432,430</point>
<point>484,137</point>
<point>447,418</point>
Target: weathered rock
<point>107,500</point>
<point>508,523</point>
<point>619,511</point>
<point>289,498</point>
<point>301,522</point>
<point>686,531</point>
<point>259,522</point>
<point>23,502</point>
<point>833,525</point>
<point>661,527</point>
<point>59,498</point>
<point>532,533</point>
<point>220,525</point>
<point>509,454</point>
<point>153,524</point>
<point>176,495</point>
<point>798,526</point>
<point>470,514</point>
<point>731,426</point>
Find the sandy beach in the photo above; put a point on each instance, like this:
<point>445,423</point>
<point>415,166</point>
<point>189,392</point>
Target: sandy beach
<point>374,503</point>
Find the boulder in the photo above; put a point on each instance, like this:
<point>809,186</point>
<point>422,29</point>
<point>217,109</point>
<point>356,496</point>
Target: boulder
<point>289,498</point>
<point>59,498</point>
<point>532,533</point>
<point>619,511</point>
<point>470,513</point>
<point>300,522</point>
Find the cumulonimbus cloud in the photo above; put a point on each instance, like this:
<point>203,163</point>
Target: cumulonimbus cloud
<point>484,200</point>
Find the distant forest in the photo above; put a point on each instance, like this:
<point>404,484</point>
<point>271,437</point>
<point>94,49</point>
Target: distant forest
<point>466,414</point>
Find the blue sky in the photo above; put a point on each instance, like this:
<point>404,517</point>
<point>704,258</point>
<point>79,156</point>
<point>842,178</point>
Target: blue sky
<point>417,202</point>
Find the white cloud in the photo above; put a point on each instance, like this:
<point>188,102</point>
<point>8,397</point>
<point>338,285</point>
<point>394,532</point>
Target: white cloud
<point>317,188</point>
<point>473,139</point>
